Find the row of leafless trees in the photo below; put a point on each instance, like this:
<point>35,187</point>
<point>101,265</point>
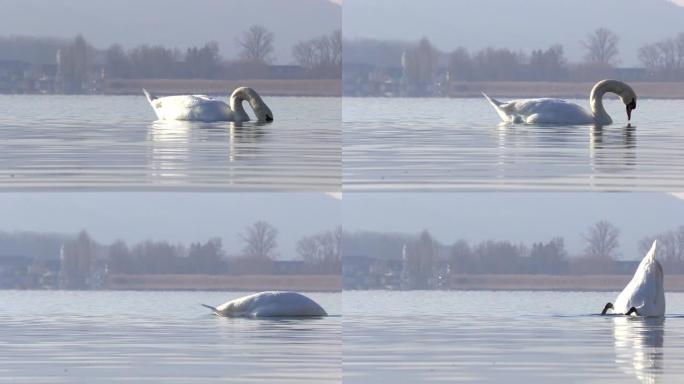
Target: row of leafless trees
<point>424,256</point>
<point>664,59</point>
<point>319,57</point>
<point>421,61</point>
<point>79,256</point>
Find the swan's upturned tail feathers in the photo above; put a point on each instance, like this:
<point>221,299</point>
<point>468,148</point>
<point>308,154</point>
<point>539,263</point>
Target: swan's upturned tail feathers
<point>213,309</point>
<point>149,96</point>
<point>497,107</point>
<point>494,102</point>
<point>652,251</point>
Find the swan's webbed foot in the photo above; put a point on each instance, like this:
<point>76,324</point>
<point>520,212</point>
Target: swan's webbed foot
<point>632,310</point>
<point>606,308</point>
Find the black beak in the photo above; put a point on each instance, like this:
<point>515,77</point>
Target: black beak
<point>630,107</point>
<point>269,118</point>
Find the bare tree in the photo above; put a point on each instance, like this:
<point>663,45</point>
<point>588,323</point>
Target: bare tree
<point>260,241</point>
<point>321,56</point>
<point>336,47</point>
<point>73,65</point>
<point>602,241</point>
<point>421,255</point>
<point>664,59</point>
<point>119,259</point>
<point>76,262</point>
<point>257,44</point>
<point>420,64</point>
<point>601,46</point>
<point>322,251</point>
<point>670,246</point>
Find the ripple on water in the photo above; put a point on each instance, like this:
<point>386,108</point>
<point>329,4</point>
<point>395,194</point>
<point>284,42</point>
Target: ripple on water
<point>409,337</point>
<point>111,142</point>
<point>458,144</point>
<point>111,337</point>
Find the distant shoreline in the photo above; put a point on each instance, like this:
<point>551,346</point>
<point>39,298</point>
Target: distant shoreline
<point>561,283</point>
<point>304,283</point>
<point>266,87</point>
<point>522,89</point>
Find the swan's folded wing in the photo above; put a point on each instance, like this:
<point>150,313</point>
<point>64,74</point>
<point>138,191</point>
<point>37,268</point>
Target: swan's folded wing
<point>548,110</point>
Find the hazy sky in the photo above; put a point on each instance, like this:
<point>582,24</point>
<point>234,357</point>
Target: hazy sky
<point>518,217</point>
<point>174,23</point>
<point>517,24</point>
<point>175,217</point>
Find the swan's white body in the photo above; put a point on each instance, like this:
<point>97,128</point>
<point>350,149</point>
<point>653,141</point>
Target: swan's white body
<point>270,304</point>
<point>558,111</point>
<point>208,109</point>
<point>645,291</point>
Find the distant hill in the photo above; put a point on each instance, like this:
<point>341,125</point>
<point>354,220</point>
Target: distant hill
<point>171,23</point>
<point>516,24</point>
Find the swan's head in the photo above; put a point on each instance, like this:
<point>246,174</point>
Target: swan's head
<point>263,113</point>
<point>261,110</point>
<point>629,97</point>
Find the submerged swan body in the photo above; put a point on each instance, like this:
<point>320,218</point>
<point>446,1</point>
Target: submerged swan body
<point>645,294</point>
<point>205,108</point>
<point>558,111</point>
<point>270,304</point>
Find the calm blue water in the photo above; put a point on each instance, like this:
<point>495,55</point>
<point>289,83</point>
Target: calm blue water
<point>459,144</point>
<point>66,337</point>
<point>496,337</point>
<point>113,142</point>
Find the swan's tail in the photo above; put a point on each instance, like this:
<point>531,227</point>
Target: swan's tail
<point>213,309</point>
<point>494,102</point>
<point>498,107</point>
<point>150,97</point>
<point>652,251</point>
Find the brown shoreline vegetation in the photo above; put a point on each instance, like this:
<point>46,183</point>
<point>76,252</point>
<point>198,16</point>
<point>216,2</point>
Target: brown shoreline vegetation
<point>332,283</point>
<point>266,87</point>
<point>304,283</point>
<point>522,89</point>
<point>673,283</point>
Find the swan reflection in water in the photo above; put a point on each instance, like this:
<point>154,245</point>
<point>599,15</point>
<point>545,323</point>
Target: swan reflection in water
<point>639,346</point>
<point>613,149</point>
<point>176,147</point>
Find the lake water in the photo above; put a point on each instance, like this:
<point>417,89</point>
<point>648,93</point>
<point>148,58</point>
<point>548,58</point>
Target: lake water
<point>459,144</point>
<point>61,336</point>
<point>113,142</point>
<point>501,337</point>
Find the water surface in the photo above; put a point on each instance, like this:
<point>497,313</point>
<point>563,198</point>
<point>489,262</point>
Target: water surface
<point>64,337</point>
<point>114,142</point>
<point>459,144</point>
<point>497,337</point>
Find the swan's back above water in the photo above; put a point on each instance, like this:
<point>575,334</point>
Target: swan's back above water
<point>270,304</point>
<point>208,109</point>
<point>558,111</point>
<point>645,292</point>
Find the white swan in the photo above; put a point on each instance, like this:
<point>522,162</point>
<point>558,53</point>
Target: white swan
<point>557,111</point>
<point>270,304</point>
<point>644,295</point>
<point>205,108</point>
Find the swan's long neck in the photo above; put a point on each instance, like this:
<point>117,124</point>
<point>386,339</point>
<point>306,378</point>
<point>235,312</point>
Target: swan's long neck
<point>261,110</point>
<point>601,117</point>
<point>236,100</point>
